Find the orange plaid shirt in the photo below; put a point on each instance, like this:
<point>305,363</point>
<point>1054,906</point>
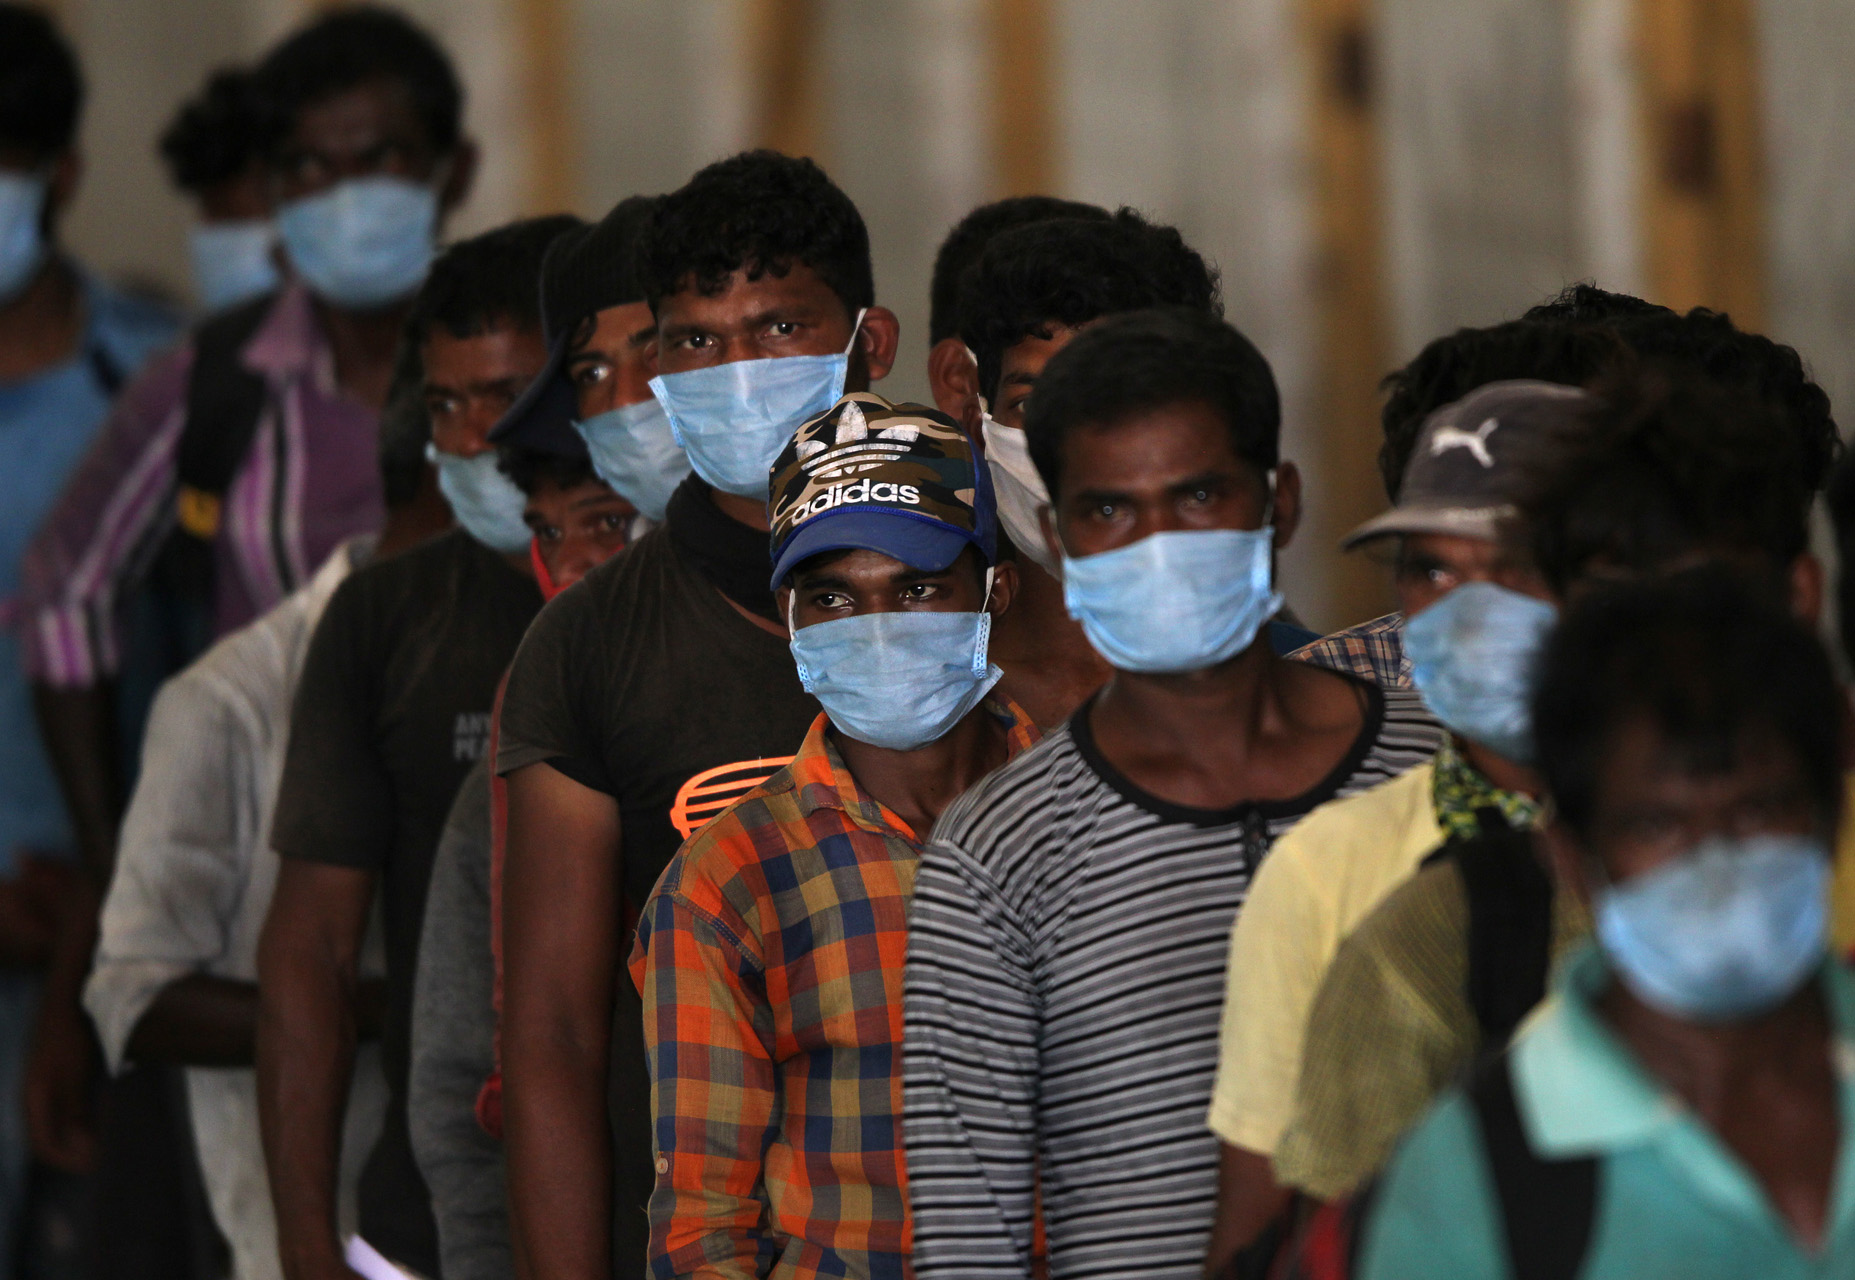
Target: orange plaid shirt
<point>770,961</point>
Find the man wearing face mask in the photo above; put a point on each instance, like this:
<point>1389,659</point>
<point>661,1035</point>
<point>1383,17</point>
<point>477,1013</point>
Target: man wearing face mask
<point>236,464</point>
<point>391,712</point>
<point>1070,914</point>
<point>770,954</point>
<point>577,523</point>
<point>1327,874</point>
<point>1031,291</point>
<point>661,688</point>
<point>1658,470</point>
<point>68,341</point>
<point>1678,1105</point>
<point>212,155</point>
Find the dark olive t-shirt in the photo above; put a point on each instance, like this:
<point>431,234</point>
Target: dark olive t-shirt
<point>392,709</point>
<point>642,681</point>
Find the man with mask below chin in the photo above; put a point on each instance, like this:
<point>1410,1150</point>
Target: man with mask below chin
<point>1656,470</point>
<point>391,712</point>
<point>661,688</point>
<point>1678,1105</point>
<point>212,154</point>
<point>1329,871</point>
<point>239,462</point>
<point>1070,913</point>
<point>770,955</point>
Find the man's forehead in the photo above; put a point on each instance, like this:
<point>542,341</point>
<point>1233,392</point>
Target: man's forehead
<point>743,294</point>
<point>359,116</point>
<point>1024,359</point>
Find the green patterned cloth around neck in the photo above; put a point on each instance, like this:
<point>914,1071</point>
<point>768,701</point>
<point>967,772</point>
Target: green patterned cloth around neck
<point>1460,789</point>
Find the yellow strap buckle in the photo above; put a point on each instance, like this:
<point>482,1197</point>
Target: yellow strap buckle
<point>198,511</point>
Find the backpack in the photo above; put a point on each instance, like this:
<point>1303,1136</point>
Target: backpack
<point>1547,1206</point>
<point>225,401</point>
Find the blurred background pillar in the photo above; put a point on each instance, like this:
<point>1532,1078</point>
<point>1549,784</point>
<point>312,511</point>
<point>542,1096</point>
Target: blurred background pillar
<point>1704,200</point>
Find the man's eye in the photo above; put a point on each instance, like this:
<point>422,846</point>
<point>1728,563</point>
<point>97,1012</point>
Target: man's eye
<point>784,328</point>
<point>918,591</point>
<point>612,522</point>
<point>1201,496</point>
<point>695,341</point>
<point>588,375</point>
<point>1104,511</point>
<point>442,408</point>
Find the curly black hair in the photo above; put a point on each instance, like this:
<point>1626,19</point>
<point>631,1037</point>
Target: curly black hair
<point>214,136</point>
<point>762,213</point>
<point>531,468</point>
<point>1069,271</point>
<point>41,88</point>
<point>487,281</point>
<point>1767,371</point>
<point>1663,465</point>
<point>1713,660</point>
<point>355,46</point>
<point>968,239</point>
<point>1585,303</point>
<point>1142,360</point>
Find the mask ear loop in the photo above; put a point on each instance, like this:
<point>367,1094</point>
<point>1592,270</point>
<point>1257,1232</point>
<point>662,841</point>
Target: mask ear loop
<point>856,327</point>
<point>982,639</point>
<point>1268,506</point>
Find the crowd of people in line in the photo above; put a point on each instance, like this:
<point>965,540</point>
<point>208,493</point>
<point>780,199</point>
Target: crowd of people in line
<point>516,762</point>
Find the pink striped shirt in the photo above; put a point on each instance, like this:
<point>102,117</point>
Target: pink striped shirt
<point>309,481</point>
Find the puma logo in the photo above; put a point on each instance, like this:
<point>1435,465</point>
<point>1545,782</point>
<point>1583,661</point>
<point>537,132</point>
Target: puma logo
<point>1476,441</point>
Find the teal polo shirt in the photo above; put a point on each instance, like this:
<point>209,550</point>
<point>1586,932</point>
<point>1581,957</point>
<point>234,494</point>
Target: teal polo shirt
<point>1673,1201</point>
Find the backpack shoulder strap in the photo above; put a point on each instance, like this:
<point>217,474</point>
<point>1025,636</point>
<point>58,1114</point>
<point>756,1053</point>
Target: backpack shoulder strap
<point>225,400</point>
<point>1510,925</point>
<point>1547,1206</point>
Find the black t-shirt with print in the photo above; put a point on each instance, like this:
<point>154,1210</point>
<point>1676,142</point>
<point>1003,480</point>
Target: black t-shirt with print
<point>391,711</point>
<point>642,681</point>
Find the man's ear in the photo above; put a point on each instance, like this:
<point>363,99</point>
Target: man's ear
<point>878,339</point>
<point>1287,502</point>
<point>463,175</point>
<point>67,171</point>
<point>954,381</point>
<point>1004,587</point>
<point>1806,585</point>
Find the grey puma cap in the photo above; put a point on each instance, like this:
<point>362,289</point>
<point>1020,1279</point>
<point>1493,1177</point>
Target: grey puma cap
<point>1461,477</point>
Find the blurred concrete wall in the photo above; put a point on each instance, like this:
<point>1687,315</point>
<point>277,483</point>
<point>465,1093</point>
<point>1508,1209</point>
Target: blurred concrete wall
<point>1507,140</point>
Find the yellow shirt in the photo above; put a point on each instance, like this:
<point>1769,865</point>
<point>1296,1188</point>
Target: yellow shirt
<point>1842,888</point>
<point>1324,876</point>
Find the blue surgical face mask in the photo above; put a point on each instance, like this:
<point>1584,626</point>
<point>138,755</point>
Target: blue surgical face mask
<point>1474,658</point>
<point>484,500</point>
<point>232,261</point>
<point>733,419</point>
<point>363,243</point>
<point>897,680</point>
<point>636,453</point>
<point>1180,601</point>
<point>22,239</point>
<point>1723,933</point>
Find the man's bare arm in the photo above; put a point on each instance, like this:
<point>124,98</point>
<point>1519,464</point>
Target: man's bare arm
<point>308,1022</point>
<point>1249,1200</point>
<point>560,962</point>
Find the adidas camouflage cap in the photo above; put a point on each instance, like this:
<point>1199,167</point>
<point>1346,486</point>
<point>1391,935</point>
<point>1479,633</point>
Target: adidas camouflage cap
<point>901,479</point>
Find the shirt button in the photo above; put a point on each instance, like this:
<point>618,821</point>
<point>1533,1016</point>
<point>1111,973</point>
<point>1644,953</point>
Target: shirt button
<point>663,1164</point>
